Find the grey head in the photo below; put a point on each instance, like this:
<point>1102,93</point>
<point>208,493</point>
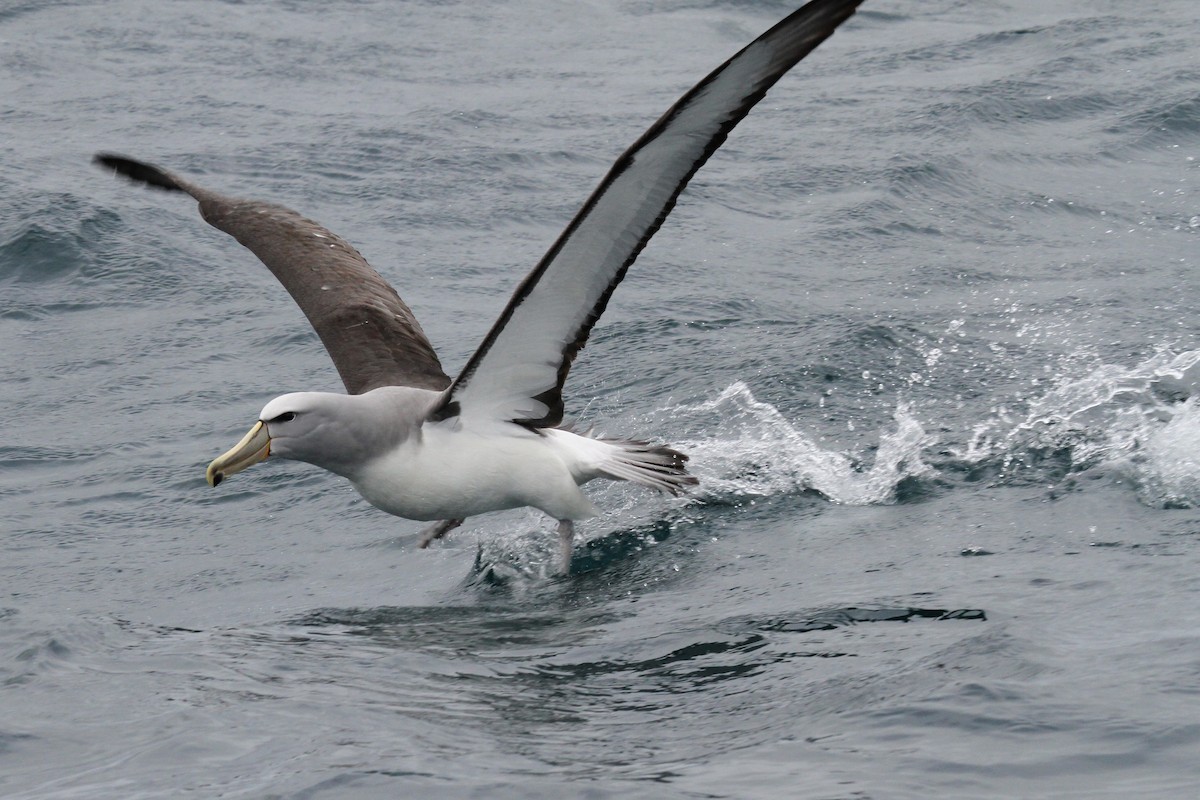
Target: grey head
<point>337,432</point>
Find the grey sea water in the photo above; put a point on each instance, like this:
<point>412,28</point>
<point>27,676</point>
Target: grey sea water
<point>926,325</point>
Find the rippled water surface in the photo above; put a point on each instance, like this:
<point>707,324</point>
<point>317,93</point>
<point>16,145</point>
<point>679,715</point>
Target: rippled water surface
<point>926,325</point>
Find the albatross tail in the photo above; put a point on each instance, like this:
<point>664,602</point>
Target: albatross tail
<point>656,466</point>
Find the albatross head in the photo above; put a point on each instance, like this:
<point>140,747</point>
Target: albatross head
<point>333,431</point>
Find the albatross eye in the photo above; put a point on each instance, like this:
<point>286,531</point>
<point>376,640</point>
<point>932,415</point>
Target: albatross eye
<point>286,416</point>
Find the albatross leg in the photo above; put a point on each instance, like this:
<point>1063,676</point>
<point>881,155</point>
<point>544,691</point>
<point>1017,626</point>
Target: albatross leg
<point>566,532</point>
<point>437,530</point>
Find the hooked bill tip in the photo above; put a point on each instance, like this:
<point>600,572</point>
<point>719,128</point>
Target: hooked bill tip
<point>216,479</point>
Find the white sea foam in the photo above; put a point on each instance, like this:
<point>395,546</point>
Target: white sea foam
<point>755,451</point>
<point>1168,469</point>
<point>1141,420</point>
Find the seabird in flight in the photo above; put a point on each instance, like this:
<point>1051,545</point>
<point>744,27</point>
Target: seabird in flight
<point>419,445</point>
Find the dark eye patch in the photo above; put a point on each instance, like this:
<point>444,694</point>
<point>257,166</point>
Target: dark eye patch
<point>286,416</point>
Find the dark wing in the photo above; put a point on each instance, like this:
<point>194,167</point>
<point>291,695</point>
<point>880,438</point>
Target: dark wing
<point>517,373</point>
<point>371,335</point>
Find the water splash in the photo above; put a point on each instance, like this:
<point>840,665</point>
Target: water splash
<point>1168,469</point>
<point>754,451</point>
<point>741,449</point>
<point>1141,420</point>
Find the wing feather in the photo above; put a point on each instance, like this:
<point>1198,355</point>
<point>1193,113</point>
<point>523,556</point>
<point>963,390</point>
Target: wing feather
<point>371,335</point>
<point>518,371</point>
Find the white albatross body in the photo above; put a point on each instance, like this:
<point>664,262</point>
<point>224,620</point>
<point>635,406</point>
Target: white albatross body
<point>419,445</point>
<point>449,474</point>
<point>382,442</point>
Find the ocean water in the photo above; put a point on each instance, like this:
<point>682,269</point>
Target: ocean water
<point>925,324</point>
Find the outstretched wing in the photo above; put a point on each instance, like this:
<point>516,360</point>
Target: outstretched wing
<point>371,335</point>
<point>518,371</point>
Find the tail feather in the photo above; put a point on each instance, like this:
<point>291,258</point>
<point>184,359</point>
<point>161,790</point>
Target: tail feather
<point>647,464</point>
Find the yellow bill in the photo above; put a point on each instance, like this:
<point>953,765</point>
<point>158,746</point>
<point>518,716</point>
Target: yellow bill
<point>254,447</point>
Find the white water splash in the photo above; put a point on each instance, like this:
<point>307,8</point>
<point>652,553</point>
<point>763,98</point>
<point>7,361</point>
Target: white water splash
<point>743,449</point>
<point>1169,468</point>
<point>756,451</point>
<point>1137,419</point>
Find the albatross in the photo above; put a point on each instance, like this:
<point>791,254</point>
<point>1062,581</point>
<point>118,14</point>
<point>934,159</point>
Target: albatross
<point>416,443</point>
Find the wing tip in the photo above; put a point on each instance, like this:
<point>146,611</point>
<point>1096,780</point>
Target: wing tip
<point>139,171</point>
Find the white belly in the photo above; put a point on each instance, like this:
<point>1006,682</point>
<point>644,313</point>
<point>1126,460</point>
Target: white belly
<point>449,473</point>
